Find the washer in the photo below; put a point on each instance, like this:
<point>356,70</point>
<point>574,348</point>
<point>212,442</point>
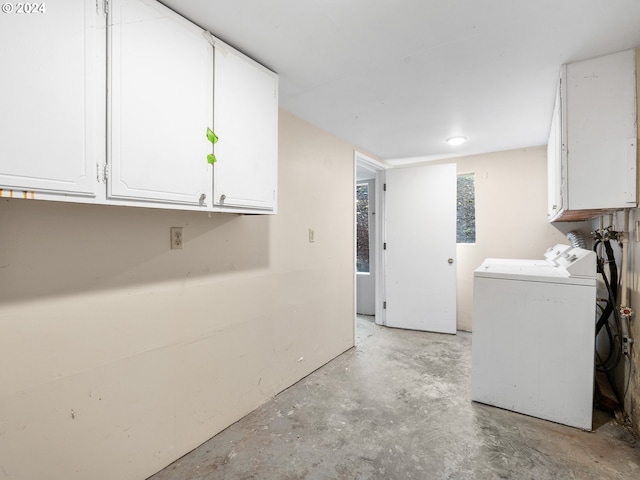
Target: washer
<point>533,335</point>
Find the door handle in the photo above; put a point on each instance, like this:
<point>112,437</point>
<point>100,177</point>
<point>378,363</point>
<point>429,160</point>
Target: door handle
<point>450,261</point>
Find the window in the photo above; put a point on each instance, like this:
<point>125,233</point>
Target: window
<point>466,214</point>
<point>362,228</point>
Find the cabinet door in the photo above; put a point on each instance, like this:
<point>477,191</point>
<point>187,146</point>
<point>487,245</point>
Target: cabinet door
<point>246,122</point>
<point>161,103</point>
<point>555,178</point>
<point>52,102</point>
<point>601,132</point>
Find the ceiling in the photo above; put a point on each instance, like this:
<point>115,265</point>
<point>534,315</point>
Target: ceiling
<point>396,78</point>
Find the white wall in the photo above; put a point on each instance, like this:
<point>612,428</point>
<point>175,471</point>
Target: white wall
<point>119,355</point>
<point>511,215</point>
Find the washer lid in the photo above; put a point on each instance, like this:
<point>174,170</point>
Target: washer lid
<point>575,266</point>
<point>531,273</point>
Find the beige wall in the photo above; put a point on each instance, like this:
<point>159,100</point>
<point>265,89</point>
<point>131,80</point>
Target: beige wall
<point>511,215</point>
<point>119,355</point>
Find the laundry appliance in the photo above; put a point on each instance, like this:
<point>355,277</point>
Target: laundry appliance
<point>533,335</point>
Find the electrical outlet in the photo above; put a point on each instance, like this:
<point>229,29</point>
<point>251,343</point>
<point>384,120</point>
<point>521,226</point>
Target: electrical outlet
<point>177,240</point>
<point>312,236</point>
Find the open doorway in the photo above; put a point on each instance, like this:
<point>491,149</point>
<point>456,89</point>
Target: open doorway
<point>365,246</point>
<point>368,233</point>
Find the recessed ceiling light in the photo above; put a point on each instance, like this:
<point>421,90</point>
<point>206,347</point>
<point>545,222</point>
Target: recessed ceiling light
<point>456,140</point>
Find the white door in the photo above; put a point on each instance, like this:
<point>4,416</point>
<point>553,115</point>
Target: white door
<point>421,248</point>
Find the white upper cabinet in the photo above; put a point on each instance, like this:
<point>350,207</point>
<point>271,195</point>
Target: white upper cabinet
<point>592,144</point>
<point>110,103</point>
<point>161,104</point>
<point>52,104</point>
<point>246,123</point>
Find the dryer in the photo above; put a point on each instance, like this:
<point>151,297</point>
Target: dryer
<point>533,335</point>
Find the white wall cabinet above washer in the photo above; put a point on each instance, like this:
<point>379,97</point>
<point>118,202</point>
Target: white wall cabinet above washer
<point>52,102</point>
<point>592,143</point>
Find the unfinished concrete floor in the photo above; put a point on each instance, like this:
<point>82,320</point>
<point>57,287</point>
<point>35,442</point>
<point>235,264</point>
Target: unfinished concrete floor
<point>397,407</point>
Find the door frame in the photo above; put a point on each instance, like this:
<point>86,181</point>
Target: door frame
<point>378,168</point>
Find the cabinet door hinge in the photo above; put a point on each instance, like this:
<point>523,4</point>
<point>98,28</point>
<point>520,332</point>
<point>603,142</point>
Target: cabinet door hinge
<point>105,6</point>
<point>384,246</point>
<point>102,172</point>
<point>384,187</point>
<point>384,305</point>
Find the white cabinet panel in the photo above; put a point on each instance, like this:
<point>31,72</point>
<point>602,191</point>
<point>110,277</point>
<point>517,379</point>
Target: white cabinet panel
<point>246,122</point>
<point>555,175</point>
<point>601,126</point>
<point>52,102</point>
<point>161,103</point>
<point>597,141</point>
